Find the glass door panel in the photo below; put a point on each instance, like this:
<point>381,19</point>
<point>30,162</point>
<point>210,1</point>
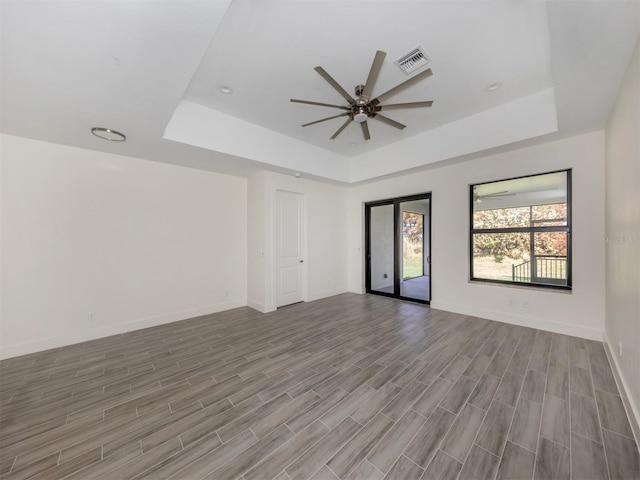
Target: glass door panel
<point>381,248</point>
<point>415,255</point>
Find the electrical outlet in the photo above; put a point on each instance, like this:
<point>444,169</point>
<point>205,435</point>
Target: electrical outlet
<point>511,302</point>
<point>525,304</point>
<point>91,317</point>
<point>226,293</point>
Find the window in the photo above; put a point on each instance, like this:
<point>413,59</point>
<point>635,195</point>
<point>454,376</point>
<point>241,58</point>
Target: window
<point>521,230</point>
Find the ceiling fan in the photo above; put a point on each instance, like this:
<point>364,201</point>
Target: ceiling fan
<point>477,198</point>
<point>363,107</point>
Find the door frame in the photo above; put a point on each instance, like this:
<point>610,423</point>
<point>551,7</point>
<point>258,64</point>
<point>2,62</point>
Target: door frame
<point>397,255</point>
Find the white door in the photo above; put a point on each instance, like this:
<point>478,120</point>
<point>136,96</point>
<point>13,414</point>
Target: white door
<point>289,244</point>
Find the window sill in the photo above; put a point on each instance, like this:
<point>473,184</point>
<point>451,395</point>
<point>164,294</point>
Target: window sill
<point>541,288</point>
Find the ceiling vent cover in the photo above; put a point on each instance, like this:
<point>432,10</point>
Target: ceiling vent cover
<point>412,61</point>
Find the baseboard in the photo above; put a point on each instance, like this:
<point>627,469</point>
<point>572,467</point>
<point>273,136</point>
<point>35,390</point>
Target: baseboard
<point>524,321</point>
<point>325,293</point>
<point>633,410</point>
<point>266,308</point>
<point>71,338</point>
<point>261,307</point>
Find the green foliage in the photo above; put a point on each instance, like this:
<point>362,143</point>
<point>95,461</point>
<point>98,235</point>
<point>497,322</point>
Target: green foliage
<point>412,244</point>
<point>412,227</point>
<point>517,245</point>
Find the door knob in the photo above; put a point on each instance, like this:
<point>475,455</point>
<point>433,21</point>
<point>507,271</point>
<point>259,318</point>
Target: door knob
<point>301,261</point>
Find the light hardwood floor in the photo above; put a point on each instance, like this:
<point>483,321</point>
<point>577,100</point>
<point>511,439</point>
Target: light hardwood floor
<point>349,387</point>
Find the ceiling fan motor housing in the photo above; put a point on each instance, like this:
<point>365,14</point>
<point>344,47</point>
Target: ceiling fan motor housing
<point>360,113</point>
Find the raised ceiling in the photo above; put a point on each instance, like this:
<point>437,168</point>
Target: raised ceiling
<point>471,45</point>
<point>154,69</point>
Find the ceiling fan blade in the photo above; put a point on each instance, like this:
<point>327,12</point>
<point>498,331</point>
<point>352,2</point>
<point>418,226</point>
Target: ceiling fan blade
<point>325,119</point>
<point>376,66</point>
<point>398,106</point>
<point>388,121</point>
<point>323,73</point>
<point>307,102</point>
<point>406,84</point>
<point>365,131</point>
<point>344,125</point>
<point>495,193</point>
<point>504,193</point>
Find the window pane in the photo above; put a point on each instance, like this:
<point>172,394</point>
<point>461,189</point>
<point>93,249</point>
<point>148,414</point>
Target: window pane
<point>550,258</point>
<point>498,256</point>
<point>549,215</point>
<point>412,245</point>
<point>501,218</point>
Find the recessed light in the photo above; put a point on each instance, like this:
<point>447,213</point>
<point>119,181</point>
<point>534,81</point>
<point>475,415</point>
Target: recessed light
<point>226,89</point>
<point>353,144</point>
<point>108,134</point>
<point>297,175</point>
<point>493,87</point>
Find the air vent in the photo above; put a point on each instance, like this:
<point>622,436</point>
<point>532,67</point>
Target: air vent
<point>412,61</point>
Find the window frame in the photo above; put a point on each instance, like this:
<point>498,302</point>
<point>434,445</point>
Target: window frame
<point>530,230</point>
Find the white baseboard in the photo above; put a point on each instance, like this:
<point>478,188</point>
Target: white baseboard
<point>524,321</point>
<point>261,307</point>
<point>633,410</point>
<point>325,293</point>
<point>70,338</point>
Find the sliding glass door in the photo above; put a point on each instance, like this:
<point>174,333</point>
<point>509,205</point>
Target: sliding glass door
<point>398,247</point>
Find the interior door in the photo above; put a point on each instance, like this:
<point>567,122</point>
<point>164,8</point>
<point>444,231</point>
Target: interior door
<point>289,245</point>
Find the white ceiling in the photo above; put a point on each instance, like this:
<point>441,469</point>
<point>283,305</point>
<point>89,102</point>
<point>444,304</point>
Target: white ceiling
<point>152,69</point>
<point>471,44</point>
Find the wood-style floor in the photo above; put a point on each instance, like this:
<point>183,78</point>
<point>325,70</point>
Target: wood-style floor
<point>349,387</point>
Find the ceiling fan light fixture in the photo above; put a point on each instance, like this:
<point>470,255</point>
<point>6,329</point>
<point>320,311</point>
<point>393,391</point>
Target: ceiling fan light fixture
<point>361,116</point>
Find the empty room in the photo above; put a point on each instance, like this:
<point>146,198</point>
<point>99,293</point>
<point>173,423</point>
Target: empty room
<point>318,239</point>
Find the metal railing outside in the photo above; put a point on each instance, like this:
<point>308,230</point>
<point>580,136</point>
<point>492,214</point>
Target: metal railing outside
<point>543,268</point>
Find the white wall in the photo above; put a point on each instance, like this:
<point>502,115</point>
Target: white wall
<point>137,243</point>
<point>580,312</point>
<point>258,258</point>
<point>622,245</point>
<point>326,234</point>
